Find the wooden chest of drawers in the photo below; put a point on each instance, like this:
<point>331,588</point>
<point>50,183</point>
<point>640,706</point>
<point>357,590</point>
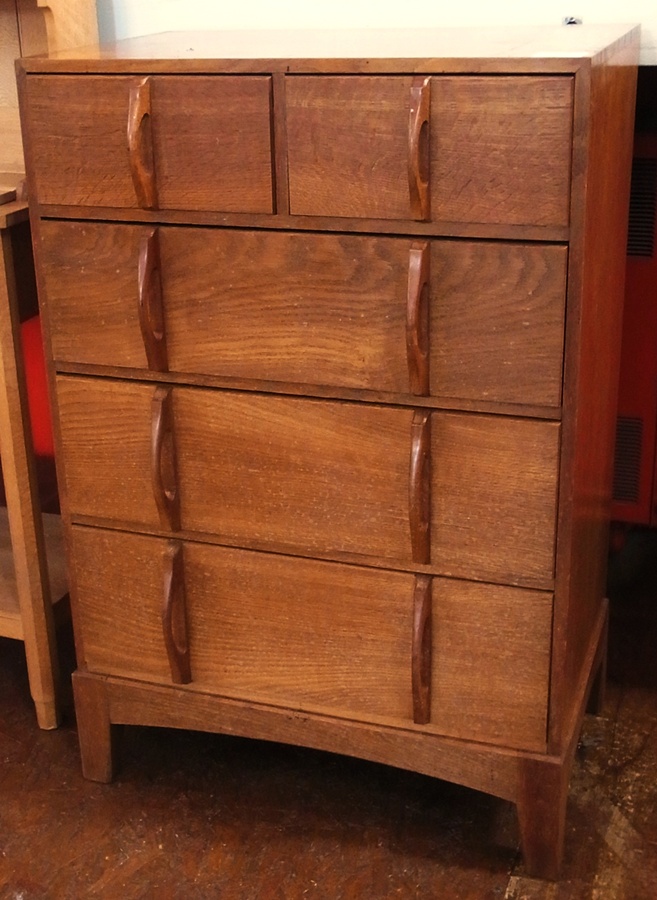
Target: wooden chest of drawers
<point>333,340</point>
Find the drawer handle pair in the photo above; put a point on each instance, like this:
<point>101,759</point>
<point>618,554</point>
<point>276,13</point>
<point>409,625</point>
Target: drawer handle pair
<point>141,155</point>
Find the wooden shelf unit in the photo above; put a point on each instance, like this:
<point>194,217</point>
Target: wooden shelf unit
<point>32,565</point>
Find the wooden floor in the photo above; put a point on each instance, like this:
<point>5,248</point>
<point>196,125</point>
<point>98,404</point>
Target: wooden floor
<point>201,816</point>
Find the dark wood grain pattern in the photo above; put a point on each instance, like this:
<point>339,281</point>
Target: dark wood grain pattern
<point>310,309</point>
<point>295,473</point>
<point>477,126</point>
<point>350,653</point>
<point>335,167</point>
<point>151,311</point>
<point>106,448</point>
<point>421,660</point>
<point>79,146</point>
<point>222,172</point>
<point>174,614</point>
<point>491,663</point>
<point>494,495</point>
<point>497,323</point>
<point>500,149</point>
<point>140,144</point>
<point>81,151</point>
<point>91,290</point>
<point>315,309</point>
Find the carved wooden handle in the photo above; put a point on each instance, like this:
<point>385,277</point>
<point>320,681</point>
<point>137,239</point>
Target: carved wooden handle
<point>151,310</point>
<point>418,148</point>
<point>174,614</point>
<point>163,460</point>
<point>417,318</point>
<point>421,654</point>
<point>420,487</point>
<point>140,144</point>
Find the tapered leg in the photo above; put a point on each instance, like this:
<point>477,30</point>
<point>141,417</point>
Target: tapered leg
<point>97,736</point>
<point>542,815</point>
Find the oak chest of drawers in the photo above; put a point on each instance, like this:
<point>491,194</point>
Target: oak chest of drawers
<point>333,337</point>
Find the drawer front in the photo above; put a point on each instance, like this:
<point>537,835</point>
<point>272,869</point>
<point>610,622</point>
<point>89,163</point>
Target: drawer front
<point>494,497</point>
<point>106,449</point>
<point>315,636</point>
<point>318,476</point>
<point>498,152</point>
<point>497,321</point>
<point>80,155</point>
<point>327,310</point>
<point>491,663</point>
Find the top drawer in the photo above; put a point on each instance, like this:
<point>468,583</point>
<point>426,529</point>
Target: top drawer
<point>493,150</point>
<point>120,141</point>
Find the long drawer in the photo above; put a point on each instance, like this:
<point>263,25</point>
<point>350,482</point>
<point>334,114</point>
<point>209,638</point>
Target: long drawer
<point>468,320</point>
<point>311,635</point>
<point>468,495</point>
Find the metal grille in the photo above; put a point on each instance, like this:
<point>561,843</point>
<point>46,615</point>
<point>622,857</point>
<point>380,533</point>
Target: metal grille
<point>643,203</point>
<point>627,462</point>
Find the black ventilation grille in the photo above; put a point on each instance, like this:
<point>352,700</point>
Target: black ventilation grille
<point>627,462</point>
<point>643,202</point>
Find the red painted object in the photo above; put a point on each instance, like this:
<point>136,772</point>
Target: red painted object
<point>37,390</point>
<point>635,472</point>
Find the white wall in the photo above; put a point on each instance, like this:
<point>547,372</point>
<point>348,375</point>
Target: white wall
<point>127,18</point>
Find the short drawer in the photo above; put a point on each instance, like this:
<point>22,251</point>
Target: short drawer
<point>316,636</point>
<point>493,150</point>
<point>466,320</point>
<point>160,142</point>
<point>317,477</point>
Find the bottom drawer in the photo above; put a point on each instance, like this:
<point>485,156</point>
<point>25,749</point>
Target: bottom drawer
<point>317,636</point>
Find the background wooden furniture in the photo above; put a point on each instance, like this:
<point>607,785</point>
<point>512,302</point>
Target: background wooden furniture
<point>28,27</point>
<point>334,347</point>
<point>26,590</point>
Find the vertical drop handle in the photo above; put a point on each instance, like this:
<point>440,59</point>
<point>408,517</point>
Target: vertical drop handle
<point>140,144</point>
<point>420,487</point>
<point>151,307</point>
<point>417,318</point>
<point>174,614</point>
<point>163,460</point>
<point>421,654</point>
<point>418,148</point>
